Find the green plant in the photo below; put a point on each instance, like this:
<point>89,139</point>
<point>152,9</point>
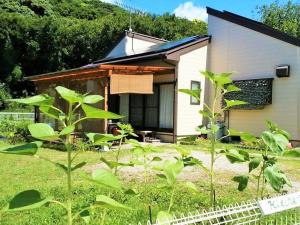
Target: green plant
<point>16,131</point>
<point>108,139</point>
<point>221,84</point>
<point>264,168</point>
<point>31,199</point>
<point>169,172</point>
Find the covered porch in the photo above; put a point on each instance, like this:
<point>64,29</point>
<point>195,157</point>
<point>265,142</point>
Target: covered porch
<point>144,95</point>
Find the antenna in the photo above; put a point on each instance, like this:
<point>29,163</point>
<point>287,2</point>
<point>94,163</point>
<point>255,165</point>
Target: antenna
<point>131,9</point>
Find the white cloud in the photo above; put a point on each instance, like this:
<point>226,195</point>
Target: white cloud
<point>112,1</point>
<point>190,11</point>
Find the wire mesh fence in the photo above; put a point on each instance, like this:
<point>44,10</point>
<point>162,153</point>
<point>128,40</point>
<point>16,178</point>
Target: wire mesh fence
<point>243,213</point>
<point>16,116</point>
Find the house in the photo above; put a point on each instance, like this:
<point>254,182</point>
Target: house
<point>141,75</point>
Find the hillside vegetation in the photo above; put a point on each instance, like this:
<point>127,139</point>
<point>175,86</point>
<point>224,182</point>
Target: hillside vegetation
<point>39,36</point>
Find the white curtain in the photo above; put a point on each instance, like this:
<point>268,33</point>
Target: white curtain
<point>166,106</point>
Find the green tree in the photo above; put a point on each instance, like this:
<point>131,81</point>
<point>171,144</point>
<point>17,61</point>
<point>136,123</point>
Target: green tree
<point>284,17</point>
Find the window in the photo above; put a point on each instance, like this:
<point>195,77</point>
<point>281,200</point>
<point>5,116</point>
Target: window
<point>195,85</point>
<point>153,111</point>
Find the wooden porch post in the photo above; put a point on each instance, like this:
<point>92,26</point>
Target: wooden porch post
<point>106,99</point>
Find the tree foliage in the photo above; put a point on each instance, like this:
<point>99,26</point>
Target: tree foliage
<point>284,17</point>
<point>40,36</point>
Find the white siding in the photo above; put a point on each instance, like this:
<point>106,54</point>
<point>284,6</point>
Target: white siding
<point>129,46</point>
<point>250,54</point>
<point>189,68</point>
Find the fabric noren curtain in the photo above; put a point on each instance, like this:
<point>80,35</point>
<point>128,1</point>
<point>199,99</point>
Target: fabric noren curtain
<point>136,84</point>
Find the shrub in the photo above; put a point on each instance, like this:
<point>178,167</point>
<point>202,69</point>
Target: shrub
<point>15,131</point>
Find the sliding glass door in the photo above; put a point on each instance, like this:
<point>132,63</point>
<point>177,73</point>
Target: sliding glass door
<point>153,111</point>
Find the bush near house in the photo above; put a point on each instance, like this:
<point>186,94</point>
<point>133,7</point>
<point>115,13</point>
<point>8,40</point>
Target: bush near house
<point>15,131</point>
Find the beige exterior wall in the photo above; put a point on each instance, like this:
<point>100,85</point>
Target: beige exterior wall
<point>189,68</point>
<point>249,55</point>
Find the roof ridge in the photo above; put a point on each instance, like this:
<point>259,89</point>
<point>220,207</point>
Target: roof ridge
<point>144,35</point>
<point>254,25</point>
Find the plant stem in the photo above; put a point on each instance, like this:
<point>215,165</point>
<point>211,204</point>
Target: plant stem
<point>171,200</point>
<point>118,155</point>
<point>103,217</point>
<point>69,171</point>
<point>258,183</point>
<point>212,202</point>
<point>213,140</point>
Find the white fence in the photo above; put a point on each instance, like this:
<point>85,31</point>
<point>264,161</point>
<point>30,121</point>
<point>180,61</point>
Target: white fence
<point>245,213</point>
<point>16,116</point>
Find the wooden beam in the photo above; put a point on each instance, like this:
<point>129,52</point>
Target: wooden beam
<point>98,70</point>
<point>136,68</point>
<point>86,74</point>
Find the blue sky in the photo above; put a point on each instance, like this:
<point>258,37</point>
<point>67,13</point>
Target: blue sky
<point>192,9</point>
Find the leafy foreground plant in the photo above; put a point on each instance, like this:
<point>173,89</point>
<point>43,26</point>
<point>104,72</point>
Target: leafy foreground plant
<point>263,169</point>
<point>169,172</point>
<point>221,84</point>
<point>31,199</point>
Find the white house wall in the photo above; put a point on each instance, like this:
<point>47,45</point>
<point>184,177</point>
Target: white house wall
<point>129,46</point>
<point>188,70</point>
<point>249,55</point>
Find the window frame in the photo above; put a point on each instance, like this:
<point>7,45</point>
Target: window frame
<point>192,98</point>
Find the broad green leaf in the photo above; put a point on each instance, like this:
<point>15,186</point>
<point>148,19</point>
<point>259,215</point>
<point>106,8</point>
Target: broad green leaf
<point>276,178</point>
<point>172,170</point>
<point>232,88</point>
<point>193,93</point>
<point>92,99</point>
<point>214,128</point>
<point>102,139</point>
<point>291,153</point>
<point>78,166</point>
<point>109,203</point>
<point>27,200</point>
<point>156,159</point>
<point>191,186</point>
<point>95,113</point>
<point>184,152</point>
<point>85,216</point>
<point>37,100</point>
<point>205,113</point>
<point>247,137</point>
<point>203,130</point>
<point>209,75</point>
<point>114,164</point>
<point>164,218</point>
<point>42,131</point>
<point>235,156</point>
<point>274,128</point>
<point>243,182</point>
<point>69,95</point>
<point>51,112</point>
<point>67,130</point>
<point>222,79</point>
<point>254,163</point>
<point>106,179</point>
<point>231,103</point>
<point>26,149</point>
<point>275,142</point>
<point>131,191</point>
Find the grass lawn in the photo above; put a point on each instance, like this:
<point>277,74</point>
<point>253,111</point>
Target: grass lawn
<point>19,173</point>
